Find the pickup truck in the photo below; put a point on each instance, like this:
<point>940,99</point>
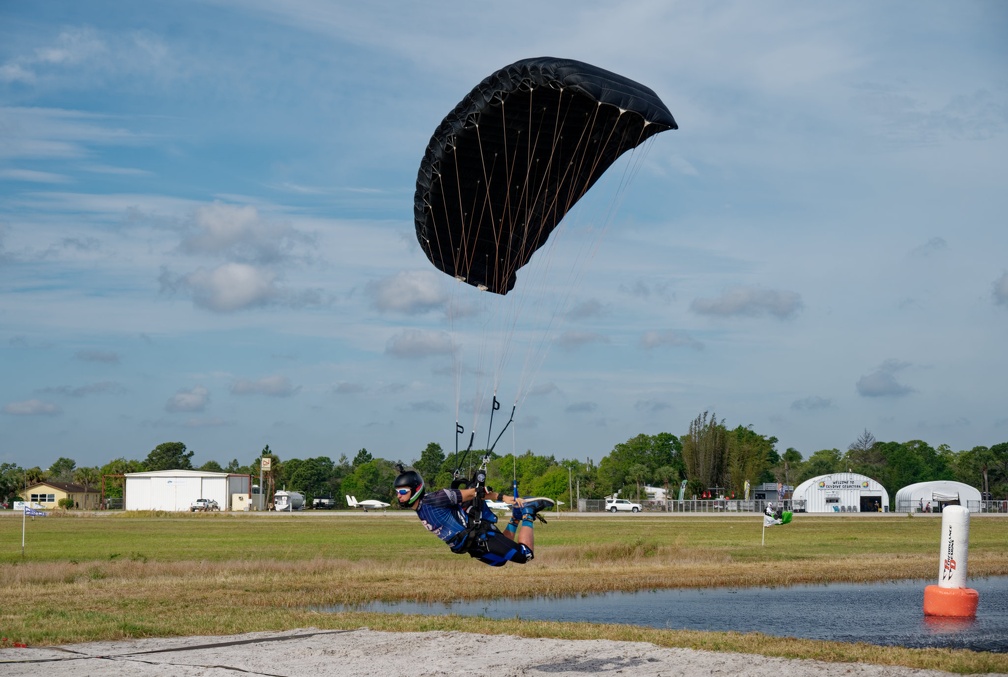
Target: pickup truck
<point>204,505</point>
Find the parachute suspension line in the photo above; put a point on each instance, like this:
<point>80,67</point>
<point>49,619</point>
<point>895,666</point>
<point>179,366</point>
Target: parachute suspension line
<point>491,447</point>
<point>494,407</point>
<point>538,350</point>
<point>537,355</point>
<point>540,201</point>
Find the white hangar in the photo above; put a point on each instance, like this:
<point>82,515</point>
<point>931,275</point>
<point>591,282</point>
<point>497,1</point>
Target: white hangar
<point>933,496</point>
<point>840,492</point>
<point>177,490</point>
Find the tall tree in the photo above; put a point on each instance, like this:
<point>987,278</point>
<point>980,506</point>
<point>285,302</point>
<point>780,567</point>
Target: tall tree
<point>667,475</point>
<point>638,474</point>
<point>749,455</point>
<point>431,460</point>
<point>863,455</point>
<point>87,477</point>
<point>311,477</point>
<point>11,481</point>
<point>62,469</point>
<point>822,462</point>
<point>705,452</point>
<point>169,456</point>
<point>363,456</point>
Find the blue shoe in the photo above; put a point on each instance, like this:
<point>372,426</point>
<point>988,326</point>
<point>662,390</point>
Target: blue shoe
<point>533,506</point>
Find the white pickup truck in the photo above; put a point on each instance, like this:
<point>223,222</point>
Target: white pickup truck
<point>204,505</point>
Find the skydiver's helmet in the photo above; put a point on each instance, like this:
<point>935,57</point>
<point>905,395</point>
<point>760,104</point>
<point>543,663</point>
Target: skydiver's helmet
<point>410,479</point>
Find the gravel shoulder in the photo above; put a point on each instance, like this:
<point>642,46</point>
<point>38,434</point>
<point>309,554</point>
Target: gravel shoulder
<point>365,652</point>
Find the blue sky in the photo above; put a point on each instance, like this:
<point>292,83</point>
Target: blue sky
<point>206,229</point>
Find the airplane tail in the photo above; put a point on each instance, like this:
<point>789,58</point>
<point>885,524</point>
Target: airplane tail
<point>351,501</point>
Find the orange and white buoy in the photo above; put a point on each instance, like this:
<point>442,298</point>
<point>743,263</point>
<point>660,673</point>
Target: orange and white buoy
<point>951,597</point>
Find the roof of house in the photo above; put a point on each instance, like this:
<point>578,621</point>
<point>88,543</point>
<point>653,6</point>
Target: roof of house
<point>66,487</point>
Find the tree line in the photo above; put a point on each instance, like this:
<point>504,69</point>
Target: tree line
<point>710,456</point>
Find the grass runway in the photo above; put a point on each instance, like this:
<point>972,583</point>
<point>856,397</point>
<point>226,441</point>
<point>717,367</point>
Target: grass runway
<point>99,576</point>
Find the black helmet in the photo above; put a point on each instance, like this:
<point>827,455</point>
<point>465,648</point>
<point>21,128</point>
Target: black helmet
<point>411,479</point>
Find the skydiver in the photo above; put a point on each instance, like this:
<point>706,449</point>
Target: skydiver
<point>444,513</point>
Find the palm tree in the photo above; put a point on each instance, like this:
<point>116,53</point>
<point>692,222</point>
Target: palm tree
<point>666,475</point>
<point>637,473</point>
<point>88,477</point>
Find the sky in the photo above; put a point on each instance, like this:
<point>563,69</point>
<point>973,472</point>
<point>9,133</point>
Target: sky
<point>206,230</point>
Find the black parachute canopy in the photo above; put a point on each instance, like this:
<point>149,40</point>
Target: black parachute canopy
<point>505,166</point>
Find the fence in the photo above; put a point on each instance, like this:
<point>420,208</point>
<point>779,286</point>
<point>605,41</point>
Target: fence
<point>718,505</point>
<point>973,506</point>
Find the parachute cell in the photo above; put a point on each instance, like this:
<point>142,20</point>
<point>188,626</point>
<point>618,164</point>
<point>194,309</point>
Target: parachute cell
<point>505,166</point>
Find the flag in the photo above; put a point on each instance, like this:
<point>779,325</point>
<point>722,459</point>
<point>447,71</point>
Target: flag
<point>32,512</point>
<point>773,520</point>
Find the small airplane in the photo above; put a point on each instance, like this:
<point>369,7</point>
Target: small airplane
<point>497,505</point>
<point>367,505</point>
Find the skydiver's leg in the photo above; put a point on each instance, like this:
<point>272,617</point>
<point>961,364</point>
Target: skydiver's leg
<point>498,550</point>
<point>526,534</point>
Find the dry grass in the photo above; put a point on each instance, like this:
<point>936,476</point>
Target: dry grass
<point>115,577</point>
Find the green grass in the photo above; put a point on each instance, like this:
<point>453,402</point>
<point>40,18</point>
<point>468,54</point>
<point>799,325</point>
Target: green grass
<point>116,575</point>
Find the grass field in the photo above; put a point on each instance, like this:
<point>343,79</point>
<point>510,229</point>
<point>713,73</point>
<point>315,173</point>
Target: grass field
<point>114,575</point>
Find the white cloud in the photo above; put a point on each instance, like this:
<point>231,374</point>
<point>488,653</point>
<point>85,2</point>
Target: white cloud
<point>409,292</point>
<point>1001,290</point>
<point>239,232</point>
<point>931,247</point>
<point>273,386</point>
<point>882,382</point>
<point>570,340</point>
<point>31,408</point>
<point>812,403</point>
<point>105,356</point>
<point>232,286</point>
<point>195,399</point>
<point>750,302</point>
<point>33,176</point>
<point>674,339</point>
<point>419,343</point>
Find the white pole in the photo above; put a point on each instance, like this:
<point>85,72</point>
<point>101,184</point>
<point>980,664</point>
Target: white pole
<point>24,517</point>
<point>763,539</point>
<point>954,547</point>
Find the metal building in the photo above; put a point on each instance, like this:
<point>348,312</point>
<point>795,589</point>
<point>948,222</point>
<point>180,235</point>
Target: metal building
<point>177,490</point>
<point>933,496</point>
<point>840,492</point>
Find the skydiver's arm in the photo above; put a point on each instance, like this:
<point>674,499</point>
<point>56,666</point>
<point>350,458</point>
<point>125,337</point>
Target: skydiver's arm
<point>470,494</point>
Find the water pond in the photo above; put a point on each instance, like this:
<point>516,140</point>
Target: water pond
<point>878,613</point>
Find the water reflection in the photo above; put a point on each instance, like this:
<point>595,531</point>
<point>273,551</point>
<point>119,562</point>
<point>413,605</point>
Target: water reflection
<point>881,613</point>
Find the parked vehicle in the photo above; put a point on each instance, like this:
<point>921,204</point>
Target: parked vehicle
<point>204,505</point>
<point>325,503</point>
<point>622,505</point>
<point>288,501</point>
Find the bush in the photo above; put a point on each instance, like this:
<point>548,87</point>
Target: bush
<point>66,503</point>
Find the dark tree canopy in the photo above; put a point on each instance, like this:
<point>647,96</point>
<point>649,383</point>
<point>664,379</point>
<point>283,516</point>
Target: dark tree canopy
<point>169,456</point>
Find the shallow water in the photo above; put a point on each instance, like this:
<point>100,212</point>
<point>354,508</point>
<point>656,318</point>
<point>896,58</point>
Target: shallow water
<point>878,613</point>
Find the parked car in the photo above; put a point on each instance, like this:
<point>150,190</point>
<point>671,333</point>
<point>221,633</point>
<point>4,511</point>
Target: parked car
<point>622,505</point>
<point>204,505</point>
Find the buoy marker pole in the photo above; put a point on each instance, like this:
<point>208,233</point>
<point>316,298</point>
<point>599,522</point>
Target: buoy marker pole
<point>951,597</point>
